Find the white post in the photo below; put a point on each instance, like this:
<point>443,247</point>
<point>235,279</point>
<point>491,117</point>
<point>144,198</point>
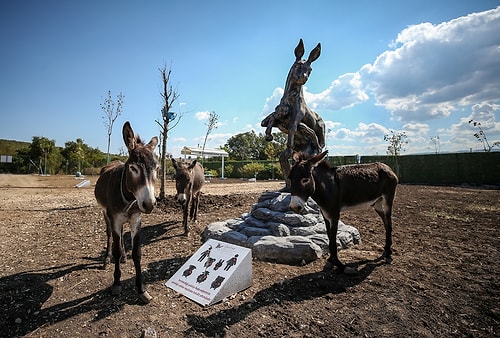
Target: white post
<point>222,170</point>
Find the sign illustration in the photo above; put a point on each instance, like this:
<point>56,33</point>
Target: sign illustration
<point>215,271</point>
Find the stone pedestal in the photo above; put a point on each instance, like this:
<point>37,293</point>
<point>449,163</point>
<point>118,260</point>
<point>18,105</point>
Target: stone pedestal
<point>276,234</point>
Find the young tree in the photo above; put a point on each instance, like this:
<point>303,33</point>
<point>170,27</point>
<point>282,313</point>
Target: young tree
<point>213,118</point>
<point>481,136</point>
<point>111,114</point>
<point>169,95</point>
<point>437,143</point>
<point>396,142</point>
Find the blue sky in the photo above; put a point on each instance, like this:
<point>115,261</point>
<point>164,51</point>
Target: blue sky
<point>423,67</point>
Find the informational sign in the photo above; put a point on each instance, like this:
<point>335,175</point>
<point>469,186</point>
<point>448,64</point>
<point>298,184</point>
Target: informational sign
<point>216,271</point>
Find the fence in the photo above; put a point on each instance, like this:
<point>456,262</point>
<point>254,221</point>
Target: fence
<point>451,169</point>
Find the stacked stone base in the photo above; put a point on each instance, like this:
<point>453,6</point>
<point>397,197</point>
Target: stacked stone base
<point>276,234</point>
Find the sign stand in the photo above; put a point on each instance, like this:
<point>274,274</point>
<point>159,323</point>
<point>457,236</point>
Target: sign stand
<point>216,271</point>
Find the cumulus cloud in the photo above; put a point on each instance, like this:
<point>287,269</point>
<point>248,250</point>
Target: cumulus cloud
<point>202,115</point>
<point>344,92</point>
<point>434,69</point>
<point>461,134</point>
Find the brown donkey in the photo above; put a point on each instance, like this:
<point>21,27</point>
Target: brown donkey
<point>339,188</point>
<point>124,191</point>
<point>189,178</point>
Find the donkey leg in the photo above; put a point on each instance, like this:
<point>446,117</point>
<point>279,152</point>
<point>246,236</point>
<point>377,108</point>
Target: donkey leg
<point>191,210</point>
<point>185,217</point>
<point>331,231</point>
<point>109,244</point>
<point>194,206</point>
<point>123,255</point>
<point>384,210</point>
<point>135,229</point>
<point>116,288</point>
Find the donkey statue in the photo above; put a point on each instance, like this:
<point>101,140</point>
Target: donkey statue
<point>124,191</point>
<point>305,128</point>
<point>189,178</point>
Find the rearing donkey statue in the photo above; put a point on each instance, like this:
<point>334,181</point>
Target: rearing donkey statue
<point>305,128</point>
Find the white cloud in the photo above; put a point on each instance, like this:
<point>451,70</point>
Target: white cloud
<point>436,68</point>
<point>461,135</point>
<point>202,115</point>
<point>431,72</point>
<point>344,92</point>
<point>272,101</point>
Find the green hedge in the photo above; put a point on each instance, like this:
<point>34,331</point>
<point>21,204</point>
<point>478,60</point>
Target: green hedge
<point>455,168</point>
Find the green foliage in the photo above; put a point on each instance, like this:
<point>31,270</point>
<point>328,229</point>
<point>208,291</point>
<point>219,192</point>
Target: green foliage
<point>251,169</point>
<point>10,147</point>
<point>211,172</point>
<point>246,146</point>
<point>45,155</point>
<point>272,171</point>
<point>228,170</point>
<point>274,148</point>
<point>80,157</point>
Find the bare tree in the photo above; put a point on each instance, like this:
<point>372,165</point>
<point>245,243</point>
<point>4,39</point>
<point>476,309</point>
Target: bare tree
<point>169,121</point>
<point>213,118</point>
<point>437,143</point>
<point>108,107</point>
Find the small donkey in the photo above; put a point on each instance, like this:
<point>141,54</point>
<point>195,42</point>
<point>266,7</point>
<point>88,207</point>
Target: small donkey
<point>339,188</point>
<point>124,191</point>
<point>189,178</point>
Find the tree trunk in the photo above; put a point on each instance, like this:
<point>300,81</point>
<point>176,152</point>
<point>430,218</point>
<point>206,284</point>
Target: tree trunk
<point>163,161</point>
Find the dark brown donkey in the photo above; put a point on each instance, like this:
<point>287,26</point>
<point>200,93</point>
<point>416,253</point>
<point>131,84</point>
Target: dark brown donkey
<point>339,188</point>
<point>124,191</point>
<point>189,178</point>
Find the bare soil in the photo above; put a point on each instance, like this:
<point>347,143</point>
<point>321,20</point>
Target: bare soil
<point>444,280</point>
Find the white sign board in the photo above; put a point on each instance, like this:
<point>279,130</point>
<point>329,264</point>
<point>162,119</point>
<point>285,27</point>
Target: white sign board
<point>217,270</point>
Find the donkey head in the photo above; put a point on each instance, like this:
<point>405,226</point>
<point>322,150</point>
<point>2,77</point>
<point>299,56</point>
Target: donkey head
<point>302,184</point>
<point>301,69</point>
<point>140,169</point>
<point>183,180</point>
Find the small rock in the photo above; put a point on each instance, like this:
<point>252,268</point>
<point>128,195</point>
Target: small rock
<point>149,333</point>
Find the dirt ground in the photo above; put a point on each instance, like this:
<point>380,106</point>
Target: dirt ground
<point>444,280</point>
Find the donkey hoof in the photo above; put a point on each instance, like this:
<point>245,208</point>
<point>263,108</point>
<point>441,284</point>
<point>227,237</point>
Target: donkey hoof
<point>388,260</point>
<point>349,270</point>
<point>145,297</point>
<point>116,290</point>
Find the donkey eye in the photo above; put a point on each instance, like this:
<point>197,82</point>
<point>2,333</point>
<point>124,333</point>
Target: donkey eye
<point>305,181</point>
<point>134,169</point>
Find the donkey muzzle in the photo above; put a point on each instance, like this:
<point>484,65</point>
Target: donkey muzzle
<point>297,204</point>
<point>181,198</point>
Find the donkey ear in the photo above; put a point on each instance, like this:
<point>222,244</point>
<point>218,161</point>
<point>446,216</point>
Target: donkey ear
<point>314,55</point>
<point>315,160</point>
<point>153,143</point>
<point>299,50</point>
<point>174,163</point>
<point>191,166</point>
<point>128,136</point>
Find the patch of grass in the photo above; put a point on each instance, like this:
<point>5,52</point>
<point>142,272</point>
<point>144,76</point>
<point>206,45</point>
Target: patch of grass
<point>445,214</point>
<point>484,208</point>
